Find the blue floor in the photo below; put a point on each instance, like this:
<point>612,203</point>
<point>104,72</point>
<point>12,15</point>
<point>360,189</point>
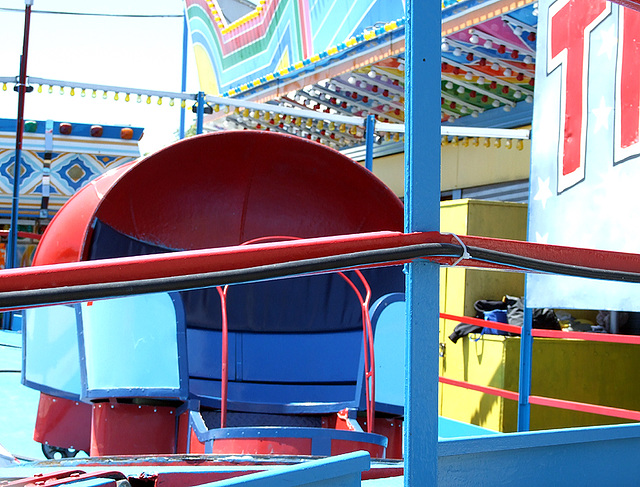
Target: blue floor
<point>18,404</point>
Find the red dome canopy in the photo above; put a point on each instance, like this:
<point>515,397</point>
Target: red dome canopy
<point>224,189</point>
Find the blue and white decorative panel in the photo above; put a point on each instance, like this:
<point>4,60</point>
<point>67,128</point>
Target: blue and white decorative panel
<point>585,161</point>
<point>54,166</point>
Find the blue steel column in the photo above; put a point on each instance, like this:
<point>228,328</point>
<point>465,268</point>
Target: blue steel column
<point>422,213</point>
<point>183,86</point>
<point>526,354</point>
<point>369,131</point>
<point>200,112</point>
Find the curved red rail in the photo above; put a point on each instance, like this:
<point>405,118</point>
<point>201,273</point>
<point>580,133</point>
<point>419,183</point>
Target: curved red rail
<point>367,333</point>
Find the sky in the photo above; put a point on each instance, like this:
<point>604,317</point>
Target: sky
<point>136,52</point>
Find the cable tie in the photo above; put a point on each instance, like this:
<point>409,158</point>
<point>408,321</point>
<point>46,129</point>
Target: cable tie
<point>465,252</point>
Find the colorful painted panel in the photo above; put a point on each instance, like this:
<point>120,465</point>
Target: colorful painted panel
<point>586,146</point>
<point>489,65</point>
<point>57,160</point>
<point>279,33</point>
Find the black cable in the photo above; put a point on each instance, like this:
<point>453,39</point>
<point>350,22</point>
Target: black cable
<point>85,292</point>
<point>550,267</point>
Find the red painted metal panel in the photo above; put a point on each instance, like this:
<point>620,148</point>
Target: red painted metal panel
<point>63,423</point>
<point>188,478</point>
<point>263,446</point>
<point>195,445</point>
<point>339,447</point>
<point>130,429</point>
<point>391,428</point>
<point>183,433</point>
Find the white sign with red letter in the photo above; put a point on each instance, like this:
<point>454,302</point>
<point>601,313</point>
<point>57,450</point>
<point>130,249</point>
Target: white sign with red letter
<point>585,160</point>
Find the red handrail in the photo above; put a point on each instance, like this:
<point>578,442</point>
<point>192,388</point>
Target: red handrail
<point>540,333</point>
<point>547,401</point>
<point>587,336</point>
<point>494,391</point>
<point>476,321</point>
<point>540,400</point>
<point>224,366</point>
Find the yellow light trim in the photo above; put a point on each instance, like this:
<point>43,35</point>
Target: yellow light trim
<point>469,22</point>
<point>242,20</point>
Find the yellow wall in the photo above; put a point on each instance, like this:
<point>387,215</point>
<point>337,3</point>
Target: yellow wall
<point>463,167</point>
<point>463,287</point>
<point>591,372</point>
<point>390,169</point>
<point>480,362</point>
<point>574,370</point>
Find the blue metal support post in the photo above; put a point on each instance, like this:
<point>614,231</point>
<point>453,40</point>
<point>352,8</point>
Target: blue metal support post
<point>422,213</point>
<point>526,353</point>
<point>183,86</point>
<point>200,112</point>
<point>369,131</point>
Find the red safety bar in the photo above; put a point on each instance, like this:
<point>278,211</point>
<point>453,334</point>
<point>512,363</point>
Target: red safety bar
<point>367,334</point>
